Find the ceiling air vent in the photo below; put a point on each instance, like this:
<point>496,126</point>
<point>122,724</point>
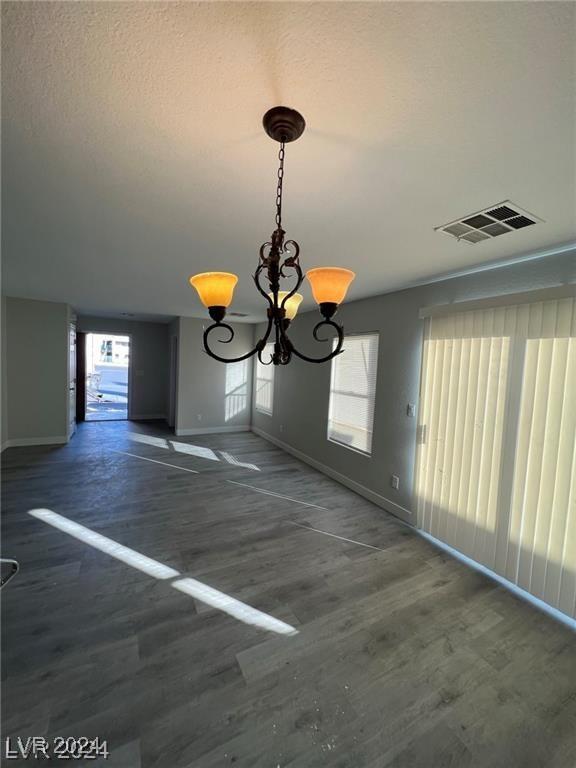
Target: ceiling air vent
<point>237,314</point>
<point>491,222</point>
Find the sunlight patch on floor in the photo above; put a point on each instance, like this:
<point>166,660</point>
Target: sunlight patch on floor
<point>196,589</point>
<point>199,451</point>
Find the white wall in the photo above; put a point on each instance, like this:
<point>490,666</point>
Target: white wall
<point>299,420</point>
<point>212,397</point>
<point>36,369</point>
<point>149,362</point>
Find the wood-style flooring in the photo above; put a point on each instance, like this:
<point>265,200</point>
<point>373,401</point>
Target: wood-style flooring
<point>401,656</point>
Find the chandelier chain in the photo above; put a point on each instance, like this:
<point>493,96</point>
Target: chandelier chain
<point>278,259</point>
<point>279,187</point>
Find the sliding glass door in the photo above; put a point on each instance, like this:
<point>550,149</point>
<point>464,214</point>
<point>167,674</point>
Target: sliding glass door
<point>496,473</point>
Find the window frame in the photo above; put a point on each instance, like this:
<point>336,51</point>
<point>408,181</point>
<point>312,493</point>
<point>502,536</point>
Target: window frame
<point>268,348</point>
<point>334,362</point>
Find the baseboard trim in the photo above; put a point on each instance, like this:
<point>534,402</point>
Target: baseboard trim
<point>22,442</point>
<point>381,501</point>
<point>210,430</point>
<point>148,417</point>
<point>536,601</point>
<point>404,515</point>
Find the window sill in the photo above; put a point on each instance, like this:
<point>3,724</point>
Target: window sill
<point>367,454</point>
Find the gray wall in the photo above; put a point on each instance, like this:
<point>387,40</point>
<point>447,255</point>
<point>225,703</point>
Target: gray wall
<point>301,389</point>
<point>36,369</point>
<point>209,396</point>
<point>174,335</point>
<point>4,379</point>
<point>149,361</point>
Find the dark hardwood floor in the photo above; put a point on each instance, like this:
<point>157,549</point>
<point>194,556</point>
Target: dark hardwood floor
<point>399,655</point>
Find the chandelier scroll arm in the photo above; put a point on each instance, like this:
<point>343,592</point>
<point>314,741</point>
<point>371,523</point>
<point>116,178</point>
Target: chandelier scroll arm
<point>263,254</point>
<point>269,362</point>
<point>336,351</point>
<point>292,262</point>
<point>260,344</point>
<point>256,278</point>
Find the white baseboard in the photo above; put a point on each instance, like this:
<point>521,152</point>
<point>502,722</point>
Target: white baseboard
<point>147,417</point>
<point>376,498</point>
<point>21,442</point>
<point>210,430</point>
<point>540,604</point>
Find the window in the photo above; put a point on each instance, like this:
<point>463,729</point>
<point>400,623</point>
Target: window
<point>352,393</point>
<point>497,423</point>
<point>236,393</point>
<point>265,382</point>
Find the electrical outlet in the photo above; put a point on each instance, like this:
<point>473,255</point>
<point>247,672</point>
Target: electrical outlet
<point>281,427</point>
<point>199,417</point>
<point>411,410</point>
<point>395,482</point>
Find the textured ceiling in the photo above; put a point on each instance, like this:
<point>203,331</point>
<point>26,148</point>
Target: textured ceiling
<point>133,154</point>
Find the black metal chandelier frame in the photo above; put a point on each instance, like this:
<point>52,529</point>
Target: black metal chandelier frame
<point>279,259</point>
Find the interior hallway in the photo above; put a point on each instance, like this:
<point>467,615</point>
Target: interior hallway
<point>385,652</point>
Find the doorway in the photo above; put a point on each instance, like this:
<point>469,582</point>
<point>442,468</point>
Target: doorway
<point>72,373</point>
<point>107,357</point>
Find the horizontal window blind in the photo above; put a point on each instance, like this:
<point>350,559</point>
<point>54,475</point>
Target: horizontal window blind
<point>264,390</point>
<point>236,393</point>
<point>353,391</point>
<point>496,472</point>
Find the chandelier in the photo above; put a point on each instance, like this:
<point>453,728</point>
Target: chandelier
<point>279,260</point>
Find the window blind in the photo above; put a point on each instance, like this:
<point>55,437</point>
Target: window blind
<point>353,392</point>
<point>236,392</point>
<point>264,390</point>
<point>496,471</point>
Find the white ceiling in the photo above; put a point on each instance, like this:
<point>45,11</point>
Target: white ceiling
<point>133,153</point>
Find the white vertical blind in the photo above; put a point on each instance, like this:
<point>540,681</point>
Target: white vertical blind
<point>353,391</point>
<point>496,472</point>
<point>264,390</point>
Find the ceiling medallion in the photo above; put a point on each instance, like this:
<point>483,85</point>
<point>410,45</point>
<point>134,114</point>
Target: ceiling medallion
<point>277,257</point>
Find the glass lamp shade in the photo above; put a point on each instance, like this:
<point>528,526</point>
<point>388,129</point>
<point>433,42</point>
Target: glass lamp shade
<point>330,284</point>
<point>291,305</point>
<point>214,288</point>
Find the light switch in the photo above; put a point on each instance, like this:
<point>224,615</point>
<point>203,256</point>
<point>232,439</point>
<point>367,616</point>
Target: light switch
<point>411,410</point>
